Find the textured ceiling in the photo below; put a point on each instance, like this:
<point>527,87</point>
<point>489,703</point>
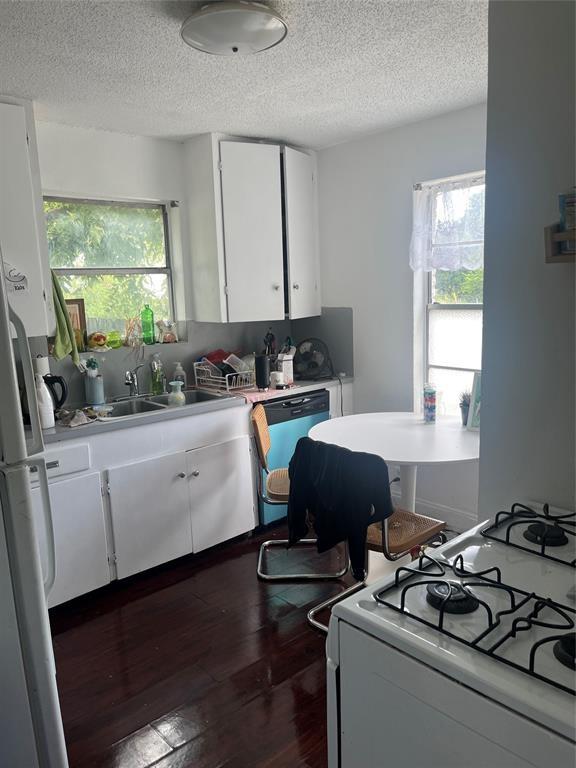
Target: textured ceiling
<point>347,67</point>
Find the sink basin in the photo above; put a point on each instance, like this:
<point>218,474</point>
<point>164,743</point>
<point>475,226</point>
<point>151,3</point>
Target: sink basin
<point>192,396</point>
<point>132,408</point>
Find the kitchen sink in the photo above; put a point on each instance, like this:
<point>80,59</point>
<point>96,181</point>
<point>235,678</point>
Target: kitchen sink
<point>132,408</point>
<point>192,396</point>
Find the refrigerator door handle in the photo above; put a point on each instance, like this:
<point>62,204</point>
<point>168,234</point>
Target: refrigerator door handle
<point>37,444</point>
<point>47,521</point>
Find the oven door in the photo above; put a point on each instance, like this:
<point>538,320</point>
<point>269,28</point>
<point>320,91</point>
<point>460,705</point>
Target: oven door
<point>391,710</point>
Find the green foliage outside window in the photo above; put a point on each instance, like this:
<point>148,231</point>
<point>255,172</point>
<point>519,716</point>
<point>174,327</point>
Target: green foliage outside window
<point>103,236</point>
<point>460,286</point>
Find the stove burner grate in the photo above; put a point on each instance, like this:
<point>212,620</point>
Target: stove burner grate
<point>565,650</point>
<point>546,533</point>
<point>543,533</point>
<point>531,611</point>
<point>451,596</point>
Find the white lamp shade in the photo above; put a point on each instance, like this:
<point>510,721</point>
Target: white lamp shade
<point>229,28</point>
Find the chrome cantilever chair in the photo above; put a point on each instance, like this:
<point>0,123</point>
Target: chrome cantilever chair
<point>275,489</point>
<point>400,534</point>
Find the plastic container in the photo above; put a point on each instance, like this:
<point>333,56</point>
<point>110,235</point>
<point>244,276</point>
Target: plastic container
<point>180,375</point>
<point>147,320</point>
<point>176,397</point>
<point>94,388</point>
<point>237,364</point>
<point>158,377</point>
<point>45,403</point>
<point>114,339</point>
<point>429,403</point>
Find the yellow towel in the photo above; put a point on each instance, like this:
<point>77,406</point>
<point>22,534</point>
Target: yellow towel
<point>64,341</point>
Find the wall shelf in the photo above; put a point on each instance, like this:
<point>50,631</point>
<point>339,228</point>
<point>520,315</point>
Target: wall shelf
<point>553,236</point>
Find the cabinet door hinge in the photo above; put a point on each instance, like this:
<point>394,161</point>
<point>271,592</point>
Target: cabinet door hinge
<point>220,165</point>
<point>226,290</point>
<point>105,488</point>
<point>112,559</point>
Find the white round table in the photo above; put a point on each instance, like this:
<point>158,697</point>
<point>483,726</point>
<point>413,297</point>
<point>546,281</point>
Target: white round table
<point>403,439</point>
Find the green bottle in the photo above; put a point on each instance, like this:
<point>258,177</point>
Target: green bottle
<point>147,320</point>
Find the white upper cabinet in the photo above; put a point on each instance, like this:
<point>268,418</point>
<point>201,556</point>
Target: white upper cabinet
<point>252,238</point>
<point>302,258</point>
<point>22,227</point>
<point>252,213</point>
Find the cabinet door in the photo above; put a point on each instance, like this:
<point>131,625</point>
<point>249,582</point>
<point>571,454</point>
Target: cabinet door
<point>252,221</point>
<point>301,234</point>
<point>79,536</point>
<point>150,513</point>
<point>23,251</point>
<point>221,492</point>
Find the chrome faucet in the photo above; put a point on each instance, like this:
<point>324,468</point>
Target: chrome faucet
<point>131,380</point>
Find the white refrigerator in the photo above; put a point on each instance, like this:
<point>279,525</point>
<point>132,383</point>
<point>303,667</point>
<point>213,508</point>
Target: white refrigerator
<point>31,733</point>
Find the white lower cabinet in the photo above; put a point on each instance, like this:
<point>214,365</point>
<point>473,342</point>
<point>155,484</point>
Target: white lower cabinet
<point>220,487</point>
<point>79,534</point>
<point>150,512</point>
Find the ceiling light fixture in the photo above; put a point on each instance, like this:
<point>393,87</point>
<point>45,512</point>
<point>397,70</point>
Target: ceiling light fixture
<point>237,27</point>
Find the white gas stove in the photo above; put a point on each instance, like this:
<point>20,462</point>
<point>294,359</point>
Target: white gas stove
<point>465,657</point>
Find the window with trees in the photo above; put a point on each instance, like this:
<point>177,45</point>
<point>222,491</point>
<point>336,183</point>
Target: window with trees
<point>113,255</point>
<point>448,244</point>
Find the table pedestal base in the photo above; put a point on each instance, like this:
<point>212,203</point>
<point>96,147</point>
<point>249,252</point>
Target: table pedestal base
<point>408,487</point>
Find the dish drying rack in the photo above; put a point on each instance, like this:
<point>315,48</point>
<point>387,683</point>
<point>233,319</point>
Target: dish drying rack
<point>209,376</point>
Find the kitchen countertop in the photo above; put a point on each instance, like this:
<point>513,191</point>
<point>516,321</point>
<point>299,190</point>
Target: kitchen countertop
<point>240,398</point>
<point>256,396</point>
<point>59,433</point>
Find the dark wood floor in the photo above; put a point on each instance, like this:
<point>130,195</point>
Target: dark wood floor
<point>194,664</point>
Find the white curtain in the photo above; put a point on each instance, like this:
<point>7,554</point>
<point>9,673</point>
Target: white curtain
<point>448,228</point>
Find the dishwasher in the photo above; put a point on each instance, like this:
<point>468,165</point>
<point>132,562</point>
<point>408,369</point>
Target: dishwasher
<point>289,419</point>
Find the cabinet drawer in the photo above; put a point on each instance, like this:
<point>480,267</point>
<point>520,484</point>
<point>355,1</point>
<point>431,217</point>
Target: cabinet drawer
<point>65,461</point>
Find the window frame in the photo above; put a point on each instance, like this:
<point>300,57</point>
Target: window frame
<point>432,306</point>
<point>122,271</point>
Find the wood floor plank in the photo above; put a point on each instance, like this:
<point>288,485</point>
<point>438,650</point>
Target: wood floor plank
<point>197,663</point>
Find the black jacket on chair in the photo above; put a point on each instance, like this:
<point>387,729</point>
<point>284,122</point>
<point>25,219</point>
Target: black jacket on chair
<point>344,492</point>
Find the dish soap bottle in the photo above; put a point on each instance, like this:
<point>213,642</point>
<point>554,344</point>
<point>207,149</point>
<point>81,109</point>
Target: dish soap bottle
<point>176,397</point>
<point>147,320</point>
<point>158,378</point>
<point>180,375</point>
<point>45,404</point>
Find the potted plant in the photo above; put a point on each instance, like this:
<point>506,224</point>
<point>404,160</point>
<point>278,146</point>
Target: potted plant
<point>465,406</point>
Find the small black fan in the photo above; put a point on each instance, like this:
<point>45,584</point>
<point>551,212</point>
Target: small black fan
<point>312,361</point>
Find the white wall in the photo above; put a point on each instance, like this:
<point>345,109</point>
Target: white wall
<point>528,412</point>
<point>83,162</point>
<point>101,164</point>
<point>365,199</point>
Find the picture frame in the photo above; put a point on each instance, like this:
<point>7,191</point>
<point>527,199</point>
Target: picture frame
<point>473,422</point>
<point>77,315</point>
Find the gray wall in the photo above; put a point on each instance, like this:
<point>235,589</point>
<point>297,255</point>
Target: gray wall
<point>335,327</point>
<point>202,338</point>
<point>528,415</point>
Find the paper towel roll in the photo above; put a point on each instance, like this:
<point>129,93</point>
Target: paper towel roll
<point>41,365</point>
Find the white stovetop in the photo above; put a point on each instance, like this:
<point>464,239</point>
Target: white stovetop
<point>549,706</point>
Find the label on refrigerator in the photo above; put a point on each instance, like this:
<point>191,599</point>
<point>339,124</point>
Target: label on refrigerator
<point>16,282</point>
